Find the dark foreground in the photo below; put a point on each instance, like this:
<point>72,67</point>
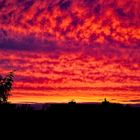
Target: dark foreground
<point>70,115</point>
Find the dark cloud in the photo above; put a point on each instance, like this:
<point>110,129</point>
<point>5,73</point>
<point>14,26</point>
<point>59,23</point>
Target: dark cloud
<point>28,4</point>
<point>97,9</point>
<point>2,4</point>
<point>135,101</point>
<point>25,45</point>
<point>120,12</point>
<point>90,1</point>
<point>64,5</point>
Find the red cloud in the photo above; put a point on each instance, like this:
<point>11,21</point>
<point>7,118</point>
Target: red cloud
<point>81,21</point>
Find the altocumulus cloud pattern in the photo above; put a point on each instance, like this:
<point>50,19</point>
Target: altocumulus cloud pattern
<point>63,49</point>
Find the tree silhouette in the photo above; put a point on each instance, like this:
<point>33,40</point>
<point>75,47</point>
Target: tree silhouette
<point>5,87</point>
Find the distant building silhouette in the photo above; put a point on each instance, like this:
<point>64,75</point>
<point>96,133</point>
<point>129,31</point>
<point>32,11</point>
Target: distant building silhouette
<point>72,102</point>
<point>105,102</point>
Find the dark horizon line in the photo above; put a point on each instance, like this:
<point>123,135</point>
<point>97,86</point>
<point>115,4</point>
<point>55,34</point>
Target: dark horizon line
<point>98,103</point>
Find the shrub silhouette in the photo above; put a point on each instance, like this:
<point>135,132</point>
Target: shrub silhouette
<point>5,87</point>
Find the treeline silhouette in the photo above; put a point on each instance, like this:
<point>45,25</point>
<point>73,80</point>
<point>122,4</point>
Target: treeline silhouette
<point>71,107</point>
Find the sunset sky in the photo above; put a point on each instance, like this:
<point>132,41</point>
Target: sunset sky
<point>71,49</point>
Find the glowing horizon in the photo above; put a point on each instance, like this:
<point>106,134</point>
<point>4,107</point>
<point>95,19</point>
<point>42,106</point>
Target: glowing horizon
<point>66,49</point>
